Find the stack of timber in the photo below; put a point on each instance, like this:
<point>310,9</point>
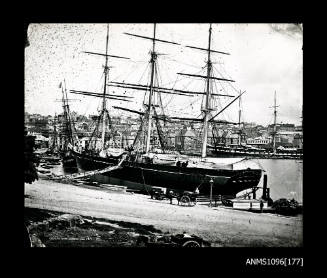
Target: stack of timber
<point>205,199</point>
<point>112,187</point>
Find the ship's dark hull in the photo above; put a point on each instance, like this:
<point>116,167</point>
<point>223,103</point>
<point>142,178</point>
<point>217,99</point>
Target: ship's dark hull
<point>87,162</point>
<point>225,181</point>
<point>68,160</point>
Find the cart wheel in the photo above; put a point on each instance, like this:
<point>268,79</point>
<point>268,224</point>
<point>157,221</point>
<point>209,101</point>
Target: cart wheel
<point>191,243</point>
<point>185,201</point>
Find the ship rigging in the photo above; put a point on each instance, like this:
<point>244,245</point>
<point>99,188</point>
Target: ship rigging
<point>104,116</point>
<point>150,109</point>
<point>168,170</point>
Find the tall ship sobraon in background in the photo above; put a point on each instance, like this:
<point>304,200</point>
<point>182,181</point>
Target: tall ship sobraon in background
<point>241,149</point>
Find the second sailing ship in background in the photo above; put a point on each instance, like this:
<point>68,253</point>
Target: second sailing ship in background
<point>67,132</point>
<point>241,149</point>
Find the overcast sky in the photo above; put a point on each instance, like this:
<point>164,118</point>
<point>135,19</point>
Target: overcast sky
<point>264,58</point>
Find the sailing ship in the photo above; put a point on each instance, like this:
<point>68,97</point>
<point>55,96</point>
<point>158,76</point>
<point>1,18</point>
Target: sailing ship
<point>67,130</point>
<point>173,171</point>
<point>244,150</point>
<point>53,149</point>
<point>62,137</point>
<point>96,154</point>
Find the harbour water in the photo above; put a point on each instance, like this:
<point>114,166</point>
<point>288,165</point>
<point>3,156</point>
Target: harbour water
<point>285,177</point>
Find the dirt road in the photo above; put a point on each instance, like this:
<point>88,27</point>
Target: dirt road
<point>221,226</point>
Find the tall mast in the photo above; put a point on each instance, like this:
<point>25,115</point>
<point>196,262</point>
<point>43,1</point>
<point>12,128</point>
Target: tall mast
<point>65,118</point>
<point>54,144</point>
<point>153,61</point>
<point>68,117</point>
<point>104,95</point>
<point>275,120</point>
<point>103,113</point>
<point>207,109</point>
<point>239,119</point>
<point>207,103</point>
<point>148,113</point>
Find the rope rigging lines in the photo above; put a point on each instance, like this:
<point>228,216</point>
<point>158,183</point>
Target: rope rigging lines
<point>168,102</point>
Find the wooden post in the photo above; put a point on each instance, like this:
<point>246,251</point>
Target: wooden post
<point>264,192</point>
<point>211,183</point>
<point>268,193</point>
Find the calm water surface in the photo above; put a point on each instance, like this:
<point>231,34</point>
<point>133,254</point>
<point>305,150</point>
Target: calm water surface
<point>285,177</point>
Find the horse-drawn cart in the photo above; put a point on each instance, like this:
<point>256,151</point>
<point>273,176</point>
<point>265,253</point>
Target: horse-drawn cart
<point>184,198</point>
